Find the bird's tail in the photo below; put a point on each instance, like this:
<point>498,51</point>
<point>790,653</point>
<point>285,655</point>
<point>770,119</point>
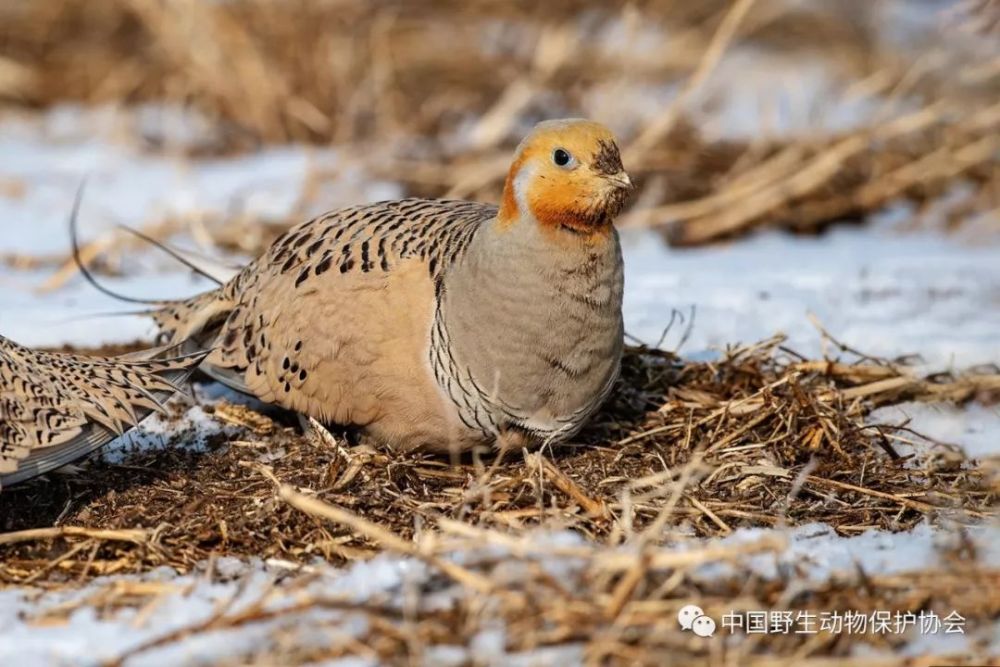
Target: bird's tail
<point>175,319</point>
<point>198,321</point>
<point>189,318</point>
<point>56,408</point>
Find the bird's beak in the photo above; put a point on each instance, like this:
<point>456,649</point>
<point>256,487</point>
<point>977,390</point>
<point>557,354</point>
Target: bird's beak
<point>620,181</point>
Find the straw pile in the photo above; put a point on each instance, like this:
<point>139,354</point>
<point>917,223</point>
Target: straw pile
<point>760,437</point>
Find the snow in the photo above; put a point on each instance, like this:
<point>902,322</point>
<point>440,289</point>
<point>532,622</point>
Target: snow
<point>127,185</point>
<point>191,599</point>
<point>50,156</point>
<point>880,290</point>
<point>815,555</point>
<point>973,428</point>
<point>884,292</point>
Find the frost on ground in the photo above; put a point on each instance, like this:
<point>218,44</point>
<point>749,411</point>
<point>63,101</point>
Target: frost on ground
<point>883,291</point>
<point>160,618</point>
<point>975,429</point>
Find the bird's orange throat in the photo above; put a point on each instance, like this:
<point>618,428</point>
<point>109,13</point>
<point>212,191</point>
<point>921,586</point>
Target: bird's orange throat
<point>555,216</point>
<point>557,208</point>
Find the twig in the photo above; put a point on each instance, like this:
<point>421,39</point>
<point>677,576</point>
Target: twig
<point>593,508</point>
<point>381,536</point>
<point>133,535</point>
<point>906,502</point>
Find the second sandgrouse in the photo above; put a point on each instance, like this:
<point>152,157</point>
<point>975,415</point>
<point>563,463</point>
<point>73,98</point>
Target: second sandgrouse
<point>436,324</point>
<point>56,408</point>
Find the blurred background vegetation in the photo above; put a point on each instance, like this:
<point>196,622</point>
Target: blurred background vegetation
<point>733,115</point>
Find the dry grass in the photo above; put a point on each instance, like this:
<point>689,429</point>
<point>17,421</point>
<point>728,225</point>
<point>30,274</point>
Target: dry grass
<point>760,437</point>
<point>362,74</point>
<point>806,185</point>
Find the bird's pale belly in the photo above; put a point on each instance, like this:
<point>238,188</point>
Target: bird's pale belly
<point>413,413</point>
<point>429,420</point>
<point>401,403</point>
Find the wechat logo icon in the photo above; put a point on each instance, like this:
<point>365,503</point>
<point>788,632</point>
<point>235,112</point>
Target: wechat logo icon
<point>691,617</point>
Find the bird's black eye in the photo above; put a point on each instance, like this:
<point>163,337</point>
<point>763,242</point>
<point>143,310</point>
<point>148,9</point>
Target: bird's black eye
<point>561,157</point>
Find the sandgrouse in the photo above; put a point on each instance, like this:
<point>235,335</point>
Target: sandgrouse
<point>57,408</point>
<point>438,325</point>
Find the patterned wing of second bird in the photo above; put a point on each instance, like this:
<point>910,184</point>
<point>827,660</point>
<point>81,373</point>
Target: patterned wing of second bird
<point>56,408</point>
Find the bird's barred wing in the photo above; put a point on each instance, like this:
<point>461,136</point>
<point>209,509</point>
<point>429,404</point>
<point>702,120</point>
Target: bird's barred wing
<point>57,408</point>
<point>325,296</point>
<point>333,298</point>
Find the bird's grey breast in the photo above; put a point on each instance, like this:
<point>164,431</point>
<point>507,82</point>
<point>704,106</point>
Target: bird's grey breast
<point>532,337</point>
